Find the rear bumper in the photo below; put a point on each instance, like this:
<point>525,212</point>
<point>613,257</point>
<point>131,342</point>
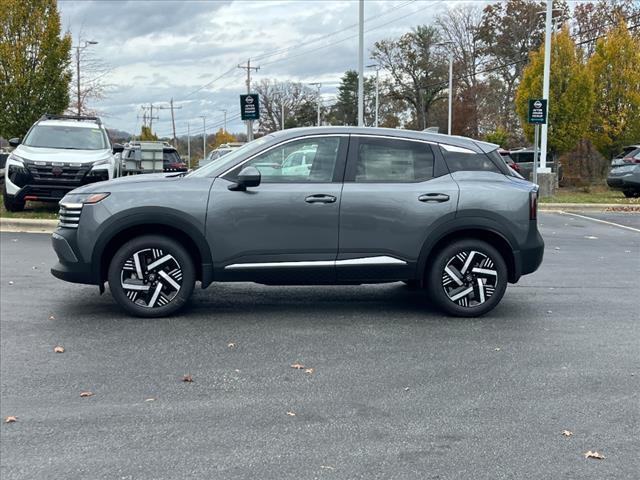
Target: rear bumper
<point>624,182</point>
<point>529,258</point>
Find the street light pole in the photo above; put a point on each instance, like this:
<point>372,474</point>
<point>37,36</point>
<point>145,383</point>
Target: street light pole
<point>78,48</point>
<point>189,144</point>
<point>361,63</point>
<point>450,92</point>
<point>375,124</point>
<point>225,120</point>
<point>545,86</point>
<point>318,85</point>
<point>204,137</point>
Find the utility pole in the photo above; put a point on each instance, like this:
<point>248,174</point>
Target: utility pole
<point>204,136</point>
<point>225,120</point>
<point>173,120</point>
<point>78,49</point>
<point>151,117</point>
<point>282,115</point>
<point>248,68</point>
<point>361,63</point>
<point>189,144</point>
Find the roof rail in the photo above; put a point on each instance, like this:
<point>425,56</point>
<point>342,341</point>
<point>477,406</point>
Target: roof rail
<point>52,116</point>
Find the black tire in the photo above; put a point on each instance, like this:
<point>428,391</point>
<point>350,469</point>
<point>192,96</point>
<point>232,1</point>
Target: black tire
<point>631,193</point>
<point>10,202</point>
<point>155,295</point>
<point>492,273</point>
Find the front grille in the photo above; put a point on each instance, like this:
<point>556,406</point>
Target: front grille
<point>57,173</point>
<point>69,215</point>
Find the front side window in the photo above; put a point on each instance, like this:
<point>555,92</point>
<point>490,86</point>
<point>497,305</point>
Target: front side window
<point>393,160</point>
<point>59,136</point>
<point>305,160</point>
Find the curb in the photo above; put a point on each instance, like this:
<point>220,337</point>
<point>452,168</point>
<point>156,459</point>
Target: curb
<point>589,207</point>
<point>27,225</point>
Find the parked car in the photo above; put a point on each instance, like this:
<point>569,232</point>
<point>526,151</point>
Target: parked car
<point>377,205</point>
<point>625,172</point>
<point>150,157</point>
<point>3,161</point>
<point>219,152</point>
<point>508,160</point>
<point>58,153</point>
<point>523,157</point>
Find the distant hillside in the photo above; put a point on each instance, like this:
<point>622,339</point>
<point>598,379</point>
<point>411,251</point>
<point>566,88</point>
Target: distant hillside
<point>117,136</point>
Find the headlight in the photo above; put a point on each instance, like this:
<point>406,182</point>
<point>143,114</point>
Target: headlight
<point>104,161</point>
<point>83,198</point>
<point>16,159</point>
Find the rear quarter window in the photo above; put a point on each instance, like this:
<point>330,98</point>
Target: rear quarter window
<point>459,161</point>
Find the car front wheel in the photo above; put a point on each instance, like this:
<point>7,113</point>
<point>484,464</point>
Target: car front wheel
<point>151,276</point>
<point>10,202</point>
<point>467,278</point>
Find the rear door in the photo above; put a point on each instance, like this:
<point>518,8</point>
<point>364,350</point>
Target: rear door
<point>395,190</point>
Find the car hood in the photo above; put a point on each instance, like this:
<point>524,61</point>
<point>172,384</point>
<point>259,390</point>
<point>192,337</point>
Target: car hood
<point>40,154</point>
<point>126,182</point>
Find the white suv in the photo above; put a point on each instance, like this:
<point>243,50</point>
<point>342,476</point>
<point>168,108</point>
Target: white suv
<point>58,153</point>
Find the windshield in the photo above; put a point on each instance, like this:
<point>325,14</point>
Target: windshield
<point>58,136</point>
<point>230,158</point>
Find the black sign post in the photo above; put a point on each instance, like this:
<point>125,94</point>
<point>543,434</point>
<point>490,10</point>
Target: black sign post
<point>250,106</point>
<point>537,116</point>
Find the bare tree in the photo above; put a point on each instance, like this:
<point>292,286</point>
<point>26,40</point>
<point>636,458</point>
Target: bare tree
<point>94,73</point>
<point>593,19</point>
<point>299,104</point>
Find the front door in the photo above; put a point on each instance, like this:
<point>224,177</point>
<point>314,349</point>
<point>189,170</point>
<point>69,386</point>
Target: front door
<point>286,229</point>
<point>394,191</point>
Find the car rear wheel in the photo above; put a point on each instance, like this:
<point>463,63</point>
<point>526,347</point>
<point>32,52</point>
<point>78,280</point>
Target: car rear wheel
<point>151,276</point>
<point>467,278</point>
<point>10,202</point>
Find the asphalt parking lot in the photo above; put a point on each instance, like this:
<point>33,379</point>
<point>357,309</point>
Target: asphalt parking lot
<point>397,389</point>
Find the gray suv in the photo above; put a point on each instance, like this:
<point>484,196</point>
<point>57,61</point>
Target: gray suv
<point>372,205</point>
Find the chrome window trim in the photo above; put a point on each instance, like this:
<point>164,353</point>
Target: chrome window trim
<point>391,137</point>
<point>364,261</point>
<point>315,135</point>
<point>453,148</point>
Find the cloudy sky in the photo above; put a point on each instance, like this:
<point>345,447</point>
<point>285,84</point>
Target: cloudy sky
<point>189,50</point>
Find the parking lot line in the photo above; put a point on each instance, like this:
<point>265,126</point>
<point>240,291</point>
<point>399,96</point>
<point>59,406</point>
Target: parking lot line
<point>602,221</point>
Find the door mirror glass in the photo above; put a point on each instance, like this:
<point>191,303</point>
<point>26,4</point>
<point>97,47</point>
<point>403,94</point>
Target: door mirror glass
<point>117,148</point>
<point>14,142</point>
<point>248,177</point>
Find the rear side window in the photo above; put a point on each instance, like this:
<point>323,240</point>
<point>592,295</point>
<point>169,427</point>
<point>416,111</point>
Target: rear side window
<point>462,161</point>
<point>393,160</point>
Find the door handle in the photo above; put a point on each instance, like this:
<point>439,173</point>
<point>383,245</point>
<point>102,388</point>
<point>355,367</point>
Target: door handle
<point>434,197</point>
<point>320,198</point>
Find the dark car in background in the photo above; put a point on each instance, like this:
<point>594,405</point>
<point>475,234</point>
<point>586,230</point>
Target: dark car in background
<point>625,172</point>
<point>508,160</point>
<point>523,157</point>
<point>3,162</point>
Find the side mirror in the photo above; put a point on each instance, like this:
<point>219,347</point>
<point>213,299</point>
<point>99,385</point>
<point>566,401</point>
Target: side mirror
<point>117,148</point>
<point>14,142</point>
<point>248,177</point>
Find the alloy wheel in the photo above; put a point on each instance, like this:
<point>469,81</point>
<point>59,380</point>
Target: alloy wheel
<point>151,278</point>
<point>469,278</point>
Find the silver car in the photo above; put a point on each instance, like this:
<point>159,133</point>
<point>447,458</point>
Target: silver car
<point>375,205</point>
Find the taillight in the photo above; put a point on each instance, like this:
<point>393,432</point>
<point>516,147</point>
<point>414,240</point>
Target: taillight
<point>533,205</point>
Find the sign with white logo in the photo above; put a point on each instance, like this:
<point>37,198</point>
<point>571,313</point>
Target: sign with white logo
<point>537,111</point>
<point>250,106</point>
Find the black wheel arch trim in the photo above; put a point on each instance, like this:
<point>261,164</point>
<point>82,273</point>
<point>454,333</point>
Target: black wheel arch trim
<point>139,217</point>
<point>451,224</point>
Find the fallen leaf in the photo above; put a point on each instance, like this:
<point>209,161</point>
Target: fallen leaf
<point>51,317</point>
<point>567,433</point>
<point>590,237</point>
<point>308,370</point>
<point>237,371</point>
<point>86,394</point>
<point>291,414</point>
<point>58,349</point>
<point>297,366</point>
<point>549,311</point>
<point>10,282</point>
<point>149,399</point>
<point>406,389</point>
<point>231,345</point>
<point>327,467</point>
<point>557,248</point>
<point>595,455</point>
<point>10,419</point>
<point>187,378</point>
<point>497,349</point>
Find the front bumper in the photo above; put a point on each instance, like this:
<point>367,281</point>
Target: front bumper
<point>69,266</point>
